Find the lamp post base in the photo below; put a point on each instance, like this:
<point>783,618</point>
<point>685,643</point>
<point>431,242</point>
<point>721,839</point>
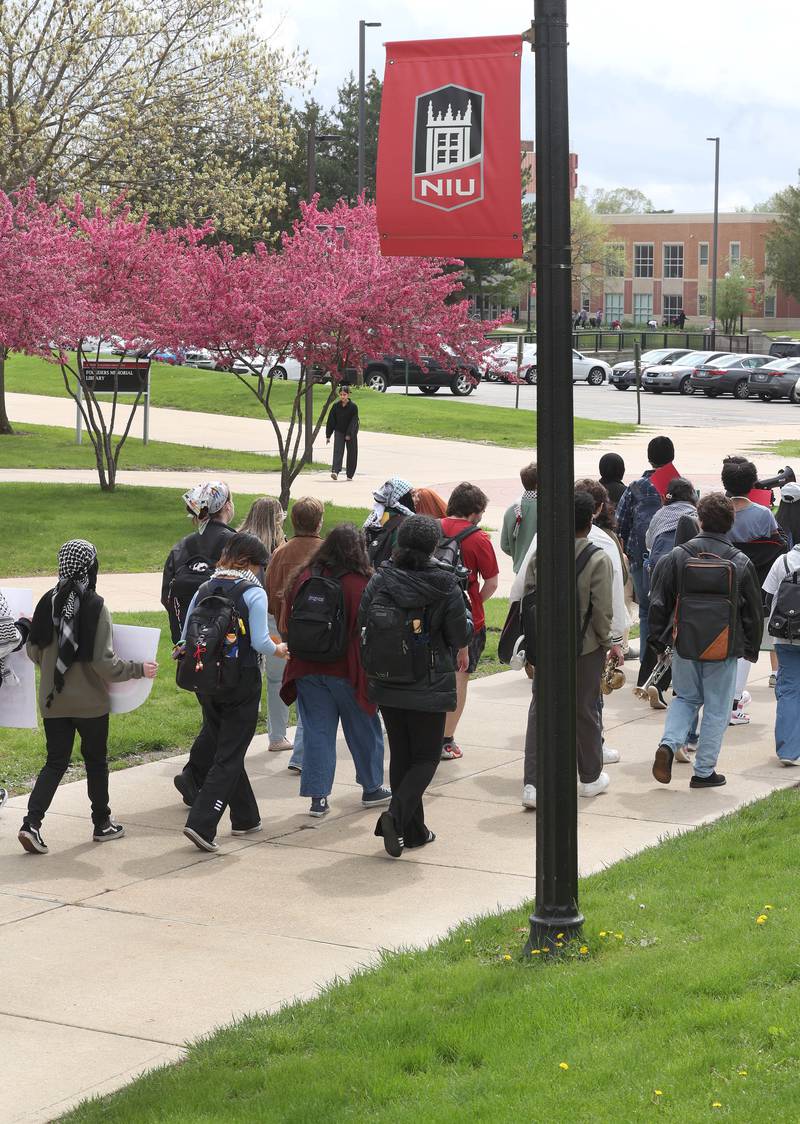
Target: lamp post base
<point>553,930</point>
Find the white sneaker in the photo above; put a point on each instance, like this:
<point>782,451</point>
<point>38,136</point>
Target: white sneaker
<point>744,701</point>
<point>594,788</point>
<point>529,796</point>
<point>610,756</point>
<point>789,761</point>
<point>739,718</point>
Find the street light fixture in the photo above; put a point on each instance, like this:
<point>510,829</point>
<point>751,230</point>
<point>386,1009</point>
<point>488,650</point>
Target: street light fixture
<point>362,107</point>
<point>714,244</point>
<point>311,154</point>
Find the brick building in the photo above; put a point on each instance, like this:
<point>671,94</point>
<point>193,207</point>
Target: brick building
<point>667,267</point>
<point>529,171</point>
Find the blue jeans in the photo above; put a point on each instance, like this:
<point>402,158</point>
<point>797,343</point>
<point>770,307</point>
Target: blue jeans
<point>787,692</point>
<point>700,684</point>
<point>322,702</point>
<point>277,710</point>
<point>641,585</point>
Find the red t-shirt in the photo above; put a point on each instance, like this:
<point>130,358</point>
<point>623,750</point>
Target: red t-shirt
<point>479,558</point>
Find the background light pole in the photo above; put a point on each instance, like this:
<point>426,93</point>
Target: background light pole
<point>362,105</point>
<point>714,245</point>
<point>308,399</point>
<point>556,910</point>
<point>311,157</point>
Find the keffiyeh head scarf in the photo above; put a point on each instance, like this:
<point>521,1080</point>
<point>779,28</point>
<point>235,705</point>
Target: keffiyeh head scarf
<point>77,573</point>
<point>205,500</point>
<point>10,640</point>
<point>388,498</point>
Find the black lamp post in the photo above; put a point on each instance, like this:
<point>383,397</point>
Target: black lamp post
<point>714,245</point>
<point>556,910</point>
<point>362,104</point>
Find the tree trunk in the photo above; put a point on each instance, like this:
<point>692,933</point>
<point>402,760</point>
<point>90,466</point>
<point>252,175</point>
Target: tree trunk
<point>5,424</point>
<point>286,486</point>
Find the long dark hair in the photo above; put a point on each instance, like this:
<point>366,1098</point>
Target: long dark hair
<point>345,548</point>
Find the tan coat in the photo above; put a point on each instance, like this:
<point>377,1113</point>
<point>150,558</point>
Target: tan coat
<point>595,584</point>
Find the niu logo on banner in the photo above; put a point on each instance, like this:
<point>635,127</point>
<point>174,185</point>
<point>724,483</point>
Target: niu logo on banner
<point>448,148</point>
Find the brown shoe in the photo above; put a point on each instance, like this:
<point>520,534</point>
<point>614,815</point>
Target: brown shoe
<point>662,766</point>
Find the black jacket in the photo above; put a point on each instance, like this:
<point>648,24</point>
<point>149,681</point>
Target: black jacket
<point>209,545</point>
<point>449,624</point>
<point>664,592</point>
<point>342,419</point>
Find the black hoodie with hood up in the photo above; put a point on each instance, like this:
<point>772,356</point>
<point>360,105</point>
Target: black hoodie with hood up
<point>434,589</point>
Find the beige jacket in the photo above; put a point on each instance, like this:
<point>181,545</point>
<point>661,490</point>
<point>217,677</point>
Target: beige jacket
<point>595,585</point>
<point>85,693</point>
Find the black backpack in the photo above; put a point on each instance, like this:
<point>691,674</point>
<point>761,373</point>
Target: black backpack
<point>217,640</point>
<point>317,628</point>
<point>395,642</point>
<point>448,554</point>
<point>706,607</point>
<point>528,609</point>
<point>381,540</point>
<point>193,570</point>
<point>785,619</point>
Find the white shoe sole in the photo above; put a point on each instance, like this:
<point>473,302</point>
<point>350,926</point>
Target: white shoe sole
<point>108,838</point>
<point>787,763</point>
<point>246,830</point>
<point>198,840</point>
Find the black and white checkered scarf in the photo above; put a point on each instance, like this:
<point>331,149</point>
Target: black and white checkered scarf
<point>10,640</point>
<point>77,567</point>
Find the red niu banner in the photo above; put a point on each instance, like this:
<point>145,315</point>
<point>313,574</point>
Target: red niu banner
<point>449,181</point>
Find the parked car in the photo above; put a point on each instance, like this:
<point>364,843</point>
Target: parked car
<point>164,355</point>
<point>201,358</point>
<point>785,349</point>
<point>450,371</point>
<point>501,363</point>
<point>279,368</point>
<point>727,375</point>
<point>675,376</point>
<point>623,375</point>
<point>776,379</point>
<point>584,369</point>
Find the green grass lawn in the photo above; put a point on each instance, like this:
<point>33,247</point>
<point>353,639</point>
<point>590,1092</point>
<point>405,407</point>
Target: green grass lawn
<point>682,1007</point>
<point>417,416</point>
<point>133,528</point>
<point>782,448</point>
<point>46,446</point>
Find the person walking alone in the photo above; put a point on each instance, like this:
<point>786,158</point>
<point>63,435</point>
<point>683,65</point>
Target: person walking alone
<point>703,672</point>
<point>70,641</point>
<point>342,425</point>
<point>413,619</point>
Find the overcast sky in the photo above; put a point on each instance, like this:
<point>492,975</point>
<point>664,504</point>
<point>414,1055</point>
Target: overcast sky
<point>648,83</point>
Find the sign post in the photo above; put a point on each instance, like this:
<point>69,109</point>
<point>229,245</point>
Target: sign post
<point>115,376</point>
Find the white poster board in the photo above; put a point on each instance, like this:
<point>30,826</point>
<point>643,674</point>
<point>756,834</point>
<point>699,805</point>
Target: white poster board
<point>18,703</point>
<point>132,642</point>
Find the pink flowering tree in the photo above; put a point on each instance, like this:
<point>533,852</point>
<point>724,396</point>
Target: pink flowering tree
<point>130,282</point>
<point>38,290</point>
<point>330,299</point>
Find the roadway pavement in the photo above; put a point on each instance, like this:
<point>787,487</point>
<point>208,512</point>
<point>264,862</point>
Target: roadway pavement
<point>113,958</point>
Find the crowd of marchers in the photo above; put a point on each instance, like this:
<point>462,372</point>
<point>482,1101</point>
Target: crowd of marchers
<point>377,630</point>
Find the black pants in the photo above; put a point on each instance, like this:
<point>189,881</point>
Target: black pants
<point>201,756</point>
<point>339,446</point>
<point>415,749</point>
<point>60,737</point>
<point>587,713</point>
<point>231,721</point>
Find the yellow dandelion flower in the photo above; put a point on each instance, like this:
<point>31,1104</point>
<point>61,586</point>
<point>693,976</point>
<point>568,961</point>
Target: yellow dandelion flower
<point>761,919</point>
<point>559,944</point>
<point>658,1093</point>
<point>545,950</point>
<point>506,957</point>
<point>583,950</point>
<point>743,1073</point>
<point>467,940</point>
<point>619,936</point>
<point>603,933</point>
<point>535,951</point>
<point>716,1104</point>
<point>559,936</point>
<point>563,1065</point>
<point>767,907</point>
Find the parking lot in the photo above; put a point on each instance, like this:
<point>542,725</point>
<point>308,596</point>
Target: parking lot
<point>607,404</point>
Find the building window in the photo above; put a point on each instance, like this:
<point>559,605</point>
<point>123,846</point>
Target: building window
<point>735,255</point>
<point>642,307</point>
<point>702,250</point>
<point>769,304</point>
<point>673,259</point>
<point>673,303</point>
<point>702,304</point>
<point>614,307</point>
<point>643,259</point>
<point>615,259</point>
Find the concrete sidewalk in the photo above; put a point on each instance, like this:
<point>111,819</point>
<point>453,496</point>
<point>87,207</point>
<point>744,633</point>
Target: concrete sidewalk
<point>112,958</point>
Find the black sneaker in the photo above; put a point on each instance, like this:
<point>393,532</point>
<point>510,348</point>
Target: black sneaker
<point>392,842</point>
<point>424,843</point>
<point>713,780</point>
<point>319,807</point>
<point>662,766</point>
<point>295,769</point>
<point>31,839</point>
<point>246,830</point>
<point>186,787</point>
<point>376,798</point>
<point>199,840</point>
<point>108,830</point>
